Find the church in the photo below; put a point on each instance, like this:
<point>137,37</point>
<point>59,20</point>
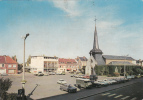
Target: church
<point>97,58</point>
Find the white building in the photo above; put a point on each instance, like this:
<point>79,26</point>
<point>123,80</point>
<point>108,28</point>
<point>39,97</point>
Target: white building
<point>43,64</point>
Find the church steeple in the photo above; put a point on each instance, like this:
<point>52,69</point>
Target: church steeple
<point>95,43</point>
<point>95,49</point>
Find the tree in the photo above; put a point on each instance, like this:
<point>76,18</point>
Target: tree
<point>14,58</point>
<point>29,60</point>
<point>5,84</point>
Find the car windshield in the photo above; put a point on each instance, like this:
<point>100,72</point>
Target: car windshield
<point>70,86</point>
<point>61,80</point>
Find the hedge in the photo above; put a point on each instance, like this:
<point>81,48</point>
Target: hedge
<point>110,69</point>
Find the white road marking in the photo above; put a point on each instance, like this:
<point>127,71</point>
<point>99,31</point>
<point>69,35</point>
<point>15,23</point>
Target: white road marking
<point>134,98</point>
<point>118,96</point>
<point>111,95</point>
<point>106,94</point>
<point>125,98</point>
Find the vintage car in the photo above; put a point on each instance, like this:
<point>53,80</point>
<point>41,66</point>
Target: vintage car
<point>40,74</point>
<point>67,87</point>
<point>101,83</point>
<point>61,81</point>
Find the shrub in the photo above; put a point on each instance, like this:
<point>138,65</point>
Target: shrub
<point>109,75</point>
<point>5,84</point>
<point>12,96</point>
<point>116,74</point>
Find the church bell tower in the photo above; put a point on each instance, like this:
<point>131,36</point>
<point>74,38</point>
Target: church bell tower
<point>96,52</point>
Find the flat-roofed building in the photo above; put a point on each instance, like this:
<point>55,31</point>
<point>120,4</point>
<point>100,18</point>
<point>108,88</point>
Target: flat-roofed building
<point>44,64</point>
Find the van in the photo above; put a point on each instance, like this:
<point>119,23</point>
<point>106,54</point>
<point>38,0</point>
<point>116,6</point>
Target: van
<point>83,83</point>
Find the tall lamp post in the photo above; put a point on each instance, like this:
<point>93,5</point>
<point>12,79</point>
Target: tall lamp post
<point>23,78</point>
<point>125,65</point>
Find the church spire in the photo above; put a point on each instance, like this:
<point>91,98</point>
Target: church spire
<point>95,43</point>
<point>95,49</point>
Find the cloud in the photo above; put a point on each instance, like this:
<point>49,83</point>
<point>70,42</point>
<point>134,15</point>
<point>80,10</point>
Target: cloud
<point>68,6</point>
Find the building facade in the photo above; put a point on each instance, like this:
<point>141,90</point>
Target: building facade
<point>44,64</point>
<point>67,65</point>
<point>8,65</point>
<point>139,62</point>
<point>82,63</point>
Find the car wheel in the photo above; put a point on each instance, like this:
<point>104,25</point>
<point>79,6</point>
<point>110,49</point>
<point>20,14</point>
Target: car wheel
<point>79,86</point>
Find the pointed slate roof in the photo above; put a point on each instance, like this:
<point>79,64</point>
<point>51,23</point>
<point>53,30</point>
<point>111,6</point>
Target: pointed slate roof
<point>95,43</point>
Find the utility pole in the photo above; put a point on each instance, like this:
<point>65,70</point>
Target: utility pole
<point>23,78</point>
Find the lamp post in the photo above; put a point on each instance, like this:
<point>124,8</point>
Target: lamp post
<point>125,65</point>
<point>23,78</point>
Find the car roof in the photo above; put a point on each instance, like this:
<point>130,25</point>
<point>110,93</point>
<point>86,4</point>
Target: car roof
<point>61,79</point>
<point>83,79</point>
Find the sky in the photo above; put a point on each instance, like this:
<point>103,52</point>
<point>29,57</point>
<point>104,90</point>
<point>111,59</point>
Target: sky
<point>65,28</point>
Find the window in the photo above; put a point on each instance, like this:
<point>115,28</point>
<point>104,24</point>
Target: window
<point>9,66</point>
<point>1,65</point>
<point>14,65</point>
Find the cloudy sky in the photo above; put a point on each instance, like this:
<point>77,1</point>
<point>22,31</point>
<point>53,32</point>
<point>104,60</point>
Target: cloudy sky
<point>65,28</point>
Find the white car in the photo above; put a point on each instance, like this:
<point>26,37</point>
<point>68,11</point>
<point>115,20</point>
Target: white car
<point>61,81</point>
<point>107,81</point>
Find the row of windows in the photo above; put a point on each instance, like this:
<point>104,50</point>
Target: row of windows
<point>68,66</point>
<point>9,66</point>
<point>1,65</point>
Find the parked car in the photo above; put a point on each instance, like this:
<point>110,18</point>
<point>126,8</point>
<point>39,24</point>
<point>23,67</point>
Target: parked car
<point>107,81</point>
<point>67,87</point>
<point>61,81</point>
<point>112,81</point>
<point>4,74</point>
<point>102,83</point>
<point>83,83</point>
<point>40,74</point>
<point>58,73</point>
<point>52,73</point>
<point>72,75</point>
<point>46,73</point>
<point>81,76</point>
<point>63,73</point>
<point>86,77</point>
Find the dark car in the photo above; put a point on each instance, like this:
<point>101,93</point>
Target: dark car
<point>67,87</point>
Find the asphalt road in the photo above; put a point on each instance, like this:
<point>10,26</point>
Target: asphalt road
<point>131,90</point>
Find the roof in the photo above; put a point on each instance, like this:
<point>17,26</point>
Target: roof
<point>83,58</point>
<point>63,60</point>
<point>7,59</point>
<point>117,57</point>
<point>46,57</point>
<point>120,63</point>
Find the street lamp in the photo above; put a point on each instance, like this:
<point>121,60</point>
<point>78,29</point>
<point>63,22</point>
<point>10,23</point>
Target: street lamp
<point>23,78</point>
<point>125,65</point>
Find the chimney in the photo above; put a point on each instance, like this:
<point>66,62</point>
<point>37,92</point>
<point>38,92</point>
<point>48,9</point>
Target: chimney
<point>15,58</point>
